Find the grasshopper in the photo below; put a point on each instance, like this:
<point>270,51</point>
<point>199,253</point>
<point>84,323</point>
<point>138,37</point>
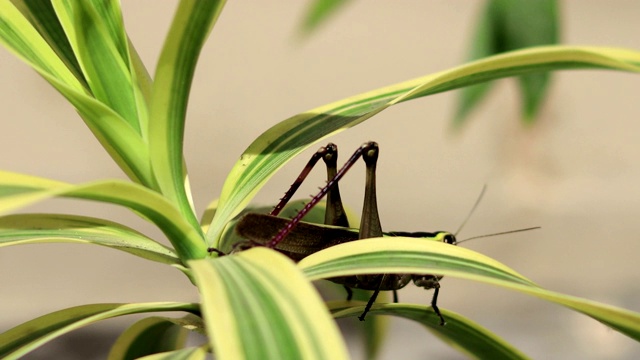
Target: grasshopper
<point>298,239</point>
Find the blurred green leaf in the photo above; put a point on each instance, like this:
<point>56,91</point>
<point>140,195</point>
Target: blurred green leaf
<point>318,13</point>
<point>507,25</point>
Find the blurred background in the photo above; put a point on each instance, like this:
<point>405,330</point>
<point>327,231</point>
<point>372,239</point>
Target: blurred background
<point>575,172</point>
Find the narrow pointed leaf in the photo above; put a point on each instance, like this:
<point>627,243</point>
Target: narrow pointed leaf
<point>43,17</point>
<point>102,53</point>
<point>191,26</point>
<point>526,24</point>
<point>135,81</point>
<point>258,305</point>
<point>17,190</point>
<point>460,332</point>
<point>24,338</point>
<point>20,37</point>
<point>56,228</point>
<point>288,138</point>
<point>408,255</point>
<point>511,25</point>
<point>484,43</point>
<point>142,91</point>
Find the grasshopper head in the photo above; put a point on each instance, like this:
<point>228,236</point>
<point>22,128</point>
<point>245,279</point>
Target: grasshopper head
<point>445,237</point>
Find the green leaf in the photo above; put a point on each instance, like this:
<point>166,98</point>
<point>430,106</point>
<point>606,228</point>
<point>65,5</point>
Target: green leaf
<point>419,256</point>
<point>24,338</point>
<point>507,25</point>
<point>98,42</point>
<point>141,82</point>
<point>114,133</point>
<point>199,353</point>
<point>20,37</point>
<point>288,138</point>
<point>43,17</point>
<point>406,255</point>
<point>191,26</point>
<point>154,335</point>
<point>55,228</point>
<point>318,13</point>
<point>483,44</point>
<point>258,305</point>
<point>460,332</point>
<point>142,91</point>
<point>17,190</point>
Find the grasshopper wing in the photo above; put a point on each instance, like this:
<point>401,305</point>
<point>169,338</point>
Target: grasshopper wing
<point>305,239</point>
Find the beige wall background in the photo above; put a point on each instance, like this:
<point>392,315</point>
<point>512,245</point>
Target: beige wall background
<point>575,173</point>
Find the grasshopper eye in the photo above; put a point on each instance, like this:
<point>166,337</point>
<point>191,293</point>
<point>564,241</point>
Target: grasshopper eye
<point>450,239</point>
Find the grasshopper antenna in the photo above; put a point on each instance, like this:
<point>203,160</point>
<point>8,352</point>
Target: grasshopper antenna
<point>499,233</point>
<point>473,209</point>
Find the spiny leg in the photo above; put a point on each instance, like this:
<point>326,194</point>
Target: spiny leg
<point>303,175</point>
<point>335,214</point>
<point>368,148</point>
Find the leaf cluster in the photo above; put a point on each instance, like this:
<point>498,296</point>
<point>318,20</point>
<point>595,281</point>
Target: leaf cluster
<point>256,304</point>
